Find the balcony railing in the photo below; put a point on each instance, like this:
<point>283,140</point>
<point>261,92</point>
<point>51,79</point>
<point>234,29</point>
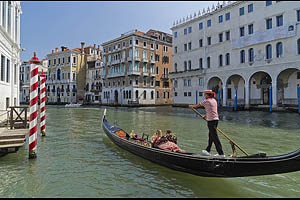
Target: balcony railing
<point>113,75</point>
<point>134,72</point>
<point>137,58</point>
<point>129,58</point>
<point>164,76</point>
<point>152,61</point>
<point>145,60</point>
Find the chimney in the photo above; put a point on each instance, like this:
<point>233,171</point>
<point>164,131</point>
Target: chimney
<point>63,48</point>
<point>99,47</point>
<point>82,47</point>
<point>56,49</point>
<point>52,51</point>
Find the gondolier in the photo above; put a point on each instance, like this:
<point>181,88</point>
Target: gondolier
<point>211,109</point>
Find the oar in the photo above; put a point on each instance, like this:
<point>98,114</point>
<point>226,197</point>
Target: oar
<point>238,146</point>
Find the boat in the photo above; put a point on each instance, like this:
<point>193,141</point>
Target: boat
<point>73,105</point>
<point>202,165</point>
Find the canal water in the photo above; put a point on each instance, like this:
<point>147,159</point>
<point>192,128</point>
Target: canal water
<point>77,159</point>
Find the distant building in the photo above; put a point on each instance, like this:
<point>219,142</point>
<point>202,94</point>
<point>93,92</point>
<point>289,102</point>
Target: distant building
<point>10,12</point>
<point>136,68</point>
<point>239,49</point>
<point>94,81</point>
<point>25,79</point>
<point>66,80</point>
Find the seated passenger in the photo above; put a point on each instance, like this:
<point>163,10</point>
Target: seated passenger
<point>163,143</point>
<point>133,135</point>
<point>171,136</point>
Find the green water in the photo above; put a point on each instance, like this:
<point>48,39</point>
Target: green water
<point>77,159</point>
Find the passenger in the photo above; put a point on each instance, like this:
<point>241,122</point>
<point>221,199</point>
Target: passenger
<point>163,143</point>
<point>133,135</point>
<point>171,136</point>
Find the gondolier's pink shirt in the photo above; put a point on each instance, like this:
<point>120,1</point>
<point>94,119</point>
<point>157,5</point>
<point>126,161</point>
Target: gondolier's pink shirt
<point>211,109</point>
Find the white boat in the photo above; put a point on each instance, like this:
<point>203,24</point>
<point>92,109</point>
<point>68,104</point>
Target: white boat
<point>73,105</point>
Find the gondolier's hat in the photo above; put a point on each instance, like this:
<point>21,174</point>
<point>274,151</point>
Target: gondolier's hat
<point>208,92</point>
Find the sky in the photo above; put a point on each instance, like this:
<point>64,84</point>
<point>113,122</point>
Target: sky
<point>46,25</point>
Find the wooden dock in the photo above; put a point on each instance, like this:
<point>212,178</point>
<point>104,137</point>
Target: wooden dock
<point>11,140</point>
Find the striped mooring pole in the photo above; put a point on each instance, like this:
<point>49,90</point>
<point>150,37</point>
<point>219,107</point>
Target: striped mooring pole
<point>34,62</point>
<point>42,103</point>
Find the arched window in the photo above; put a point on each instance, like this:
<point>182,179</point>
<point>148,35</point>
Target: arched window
<point>175,67</point>
<point>152,94</point>
<point>242,56</point>
<point>268,51</point>
<point>227,59</point>
<point>220,60</point>
<point>185,65</point>
<point>251,55</point>
<point>136,94</point>
<point>145,94</point>
<point>279,49</point>
<point>126,94</point>
<point>129,94</point>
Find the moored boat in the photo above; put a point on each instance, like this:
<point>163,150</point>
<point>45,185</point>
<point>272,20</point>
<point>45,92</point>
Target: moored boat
<point>72,105</point>
<point>201,165</point>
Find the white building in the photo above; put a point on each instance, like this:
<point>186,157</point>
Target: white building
<point>10,12</point>
<point>245,46</point>
<point>25,79</point>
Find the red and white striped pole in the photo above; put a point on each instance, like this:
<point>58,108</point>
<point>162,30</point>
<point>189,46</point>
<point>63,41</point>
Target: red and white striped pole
<point>42,103</point>
<point>34,62</point>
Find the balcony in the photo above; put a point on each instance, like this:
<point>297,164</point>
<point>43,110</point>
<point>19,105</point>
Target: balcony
<point>152,74</point>
<point>137,58</point>
<point>114,62</point>
<point>134,72</point>
<point>145,73</point>
<point>129,58</point>
<point>114,75</point>
<point>123,60</point>
<point>152,61</point>
<point>164,77</point>
<point>145,60</point>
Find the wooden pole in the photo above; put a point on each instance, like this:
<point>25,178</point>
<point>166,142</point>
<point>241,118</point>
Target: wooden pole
<point>33,106</point>
<point>42,104</point>
<point>226,136</point>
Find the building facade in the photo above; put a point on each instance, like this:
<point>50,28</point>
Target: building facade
<point>246,49</point>
<point>25,79</point>
<point>10,49</point>
<point>66,80</point>
<point>134,64</point>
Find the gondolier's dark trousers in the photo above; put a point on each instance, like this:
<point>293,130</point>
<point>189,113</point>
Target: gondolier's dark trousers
<point>213,137</point>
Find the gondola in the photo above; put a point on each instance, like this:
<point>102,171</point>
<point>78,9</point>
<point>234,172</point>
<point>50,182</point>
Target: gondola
<point>206,166</point>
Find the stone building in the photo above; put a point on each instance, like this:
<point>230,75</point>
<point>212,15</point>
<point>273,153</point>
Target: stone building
<point>247,49</point>
<point>66,79</point>
<point>135,65</point>
<point>10,12</point>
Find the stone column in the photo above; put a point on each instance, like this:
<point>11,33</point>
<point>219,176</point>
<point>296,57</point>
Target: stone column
<point>224,96</point>
<point>274,92</point>
<point>247,95</point>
